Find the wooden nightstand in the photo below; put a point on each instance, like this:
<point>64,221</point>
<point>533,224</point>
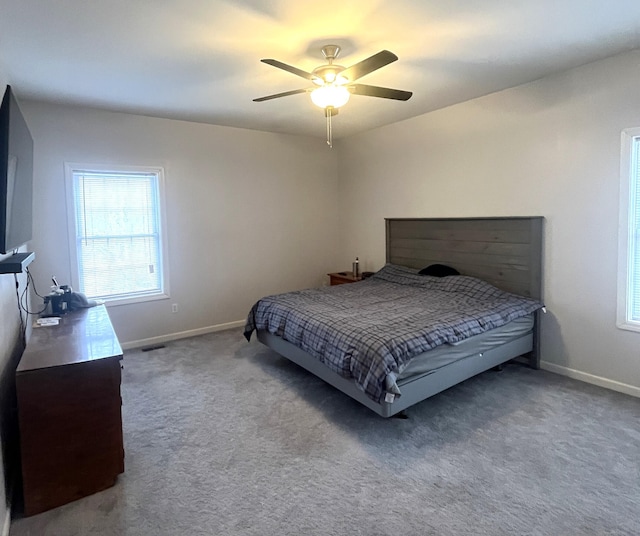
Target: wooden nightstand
<point>340,278</point>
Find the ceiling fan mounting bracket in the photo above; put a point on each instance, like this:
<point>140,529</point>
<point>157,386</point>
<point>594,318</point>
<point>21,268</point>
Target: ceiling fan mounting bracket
<point>330,52</point>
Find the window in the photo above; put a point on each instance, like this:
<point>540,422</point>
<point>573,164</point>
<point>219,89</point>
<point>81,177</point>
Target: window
<point>116,227</point>
<point>629,238</point>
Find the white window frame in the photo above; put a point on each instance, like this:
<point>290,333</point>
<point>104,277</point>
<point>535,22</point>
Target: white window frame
<point>73,167</point>
<point>626,240</point>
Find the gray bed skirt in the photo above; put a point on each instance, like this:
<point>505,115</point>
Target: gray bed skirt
<point>415,388</point>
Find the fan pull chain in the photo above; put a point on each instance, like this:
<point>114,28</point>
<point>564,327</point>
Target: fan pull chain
<point>327,112</point>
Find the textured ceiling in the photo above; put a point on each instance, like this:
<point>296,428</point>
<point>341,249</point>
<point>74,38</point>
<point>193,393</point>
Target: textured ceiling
<point>199,60</point>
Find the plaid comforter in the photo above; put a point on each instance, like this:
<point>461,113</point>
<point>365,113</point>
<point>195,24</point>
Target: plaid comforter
<point>370,330</point>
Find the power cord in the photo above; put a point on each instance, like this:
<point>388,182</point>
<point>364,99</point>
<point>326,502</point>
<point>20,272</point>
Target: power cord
<point>35,290</point>
<point>22,300</point>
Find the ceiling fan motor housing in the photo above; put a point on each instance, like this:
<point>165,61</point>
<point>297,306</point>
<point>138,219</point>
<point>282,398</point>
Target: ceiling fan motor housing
<point>329,74</point>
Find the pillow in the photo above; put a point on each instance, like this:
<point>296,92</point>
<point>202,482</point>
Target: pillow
<point>439,270</point>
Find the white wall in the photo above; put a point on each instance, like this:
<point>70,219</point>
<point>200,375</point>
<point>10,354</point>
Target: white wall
<point>249,213</point>
<point>549,148</point>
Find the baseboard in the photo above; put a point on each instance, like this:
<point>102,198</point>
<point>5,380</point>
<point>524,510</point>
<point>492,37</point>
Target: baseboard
<point>590,378</point>
<point>182,335</point>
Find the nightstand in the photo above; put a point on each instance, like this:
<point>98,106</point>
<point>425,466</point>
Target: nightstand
<point>341,278</point>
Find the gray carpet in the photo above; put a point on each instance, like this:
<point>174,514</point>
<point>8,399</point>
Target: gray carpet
<point>223,437</point>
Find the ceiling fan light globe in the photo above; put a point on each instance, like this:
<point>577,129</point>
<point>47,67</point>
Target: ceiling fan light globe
<point>334,96</point>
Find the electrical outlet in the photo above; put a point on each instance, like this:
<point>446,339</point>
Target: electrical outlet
<point>174,307</point>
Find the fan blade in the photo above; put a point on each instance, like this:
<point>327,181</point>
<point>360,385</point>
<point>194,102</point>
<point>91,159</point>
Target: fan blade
<point>278,95</point>
<point>383,92</point>
<point>382,58</point>
<point>289,68</point>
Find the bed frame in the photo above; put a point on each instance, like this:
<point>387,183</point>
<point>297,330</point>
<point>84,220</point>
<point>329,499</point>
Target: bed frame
<point>506,252</point>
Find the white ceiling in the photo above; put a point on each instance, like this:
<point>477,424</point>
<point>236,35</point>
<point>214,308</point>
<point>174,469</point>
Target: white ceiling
<point>198,60</point>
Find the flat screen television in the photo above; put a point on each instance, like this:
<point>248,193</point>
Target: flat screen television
<point>16,176</point>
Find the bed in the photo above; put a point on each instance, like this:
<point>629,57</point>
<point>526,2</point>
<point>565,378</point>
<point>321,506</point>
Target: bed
<point>494,256</point>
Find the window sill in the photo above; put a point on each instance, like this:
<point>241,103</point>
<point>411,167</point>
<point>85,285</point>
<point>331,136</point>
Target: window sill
<point>629,326</point>
<point>115,302</point>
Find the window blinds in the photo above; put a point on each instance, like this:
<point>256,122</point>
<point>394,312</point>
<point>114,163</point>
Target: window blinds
<point>118,233</point>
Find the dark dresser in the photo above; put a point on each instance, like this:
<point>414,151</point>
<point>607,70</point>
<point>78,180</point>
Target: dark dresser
<point>69,410</point>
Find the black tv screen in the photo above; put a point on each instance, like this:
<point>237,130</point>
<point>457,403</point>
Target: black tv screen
<point>16,176</point>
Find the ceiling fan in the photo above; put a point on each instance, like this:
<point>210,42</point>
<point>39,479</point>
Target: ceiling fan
<point>335,83</point>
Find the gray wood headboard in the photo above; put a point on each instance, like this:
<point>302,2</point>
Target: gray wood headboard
<point>506,252</point>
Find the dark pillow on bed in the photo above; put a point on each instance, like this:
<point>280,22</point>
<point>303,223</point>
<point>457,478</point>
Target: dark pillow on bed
<point>439,270</point>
